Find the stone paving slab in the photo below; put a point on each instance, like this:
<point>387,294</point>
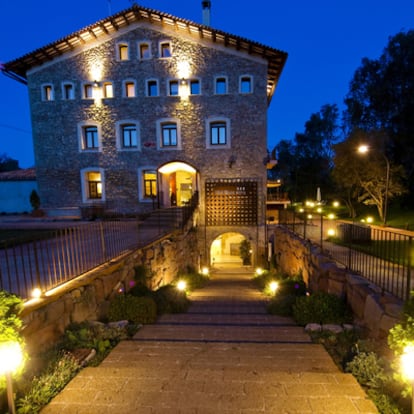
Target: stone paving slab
<point>225,356</point>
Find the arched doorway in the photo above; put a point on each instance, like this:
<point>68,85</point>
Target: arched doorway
<point>225,249</point>
<point>177,184</point>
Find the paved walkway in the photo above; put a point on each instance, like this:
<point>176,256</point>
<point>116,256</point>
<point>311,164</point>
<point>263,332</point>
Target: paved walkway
<point>225,356</point>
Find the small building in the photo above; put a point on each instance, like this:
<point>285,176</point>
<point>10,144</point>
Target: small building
<point>145,110</point>
<point>15,189</point>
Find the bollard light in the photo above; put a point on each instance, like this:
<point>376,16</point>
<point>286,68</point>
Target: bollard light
<point>259,271</point>
<point>407,367</point>
<point>205,271</point>
<point>11,357</point>
<point>273,286</point>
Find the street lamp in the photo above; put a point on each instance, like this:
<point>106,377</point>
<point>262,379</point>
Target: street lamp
<point>407,365</point>
<point>363,149</point>
<point>10,358</point>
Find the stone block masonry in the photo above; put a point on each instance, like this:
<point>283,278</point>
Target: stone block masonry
<point>88,296</point>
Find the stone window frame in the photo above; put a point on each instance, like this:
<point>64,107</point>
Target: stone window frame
<point>218,119</point>
<point>86,86</point>
<point>147,89</point>
<point>119,135</point>
<point>139,51</point>
<point>161,49</point>
<point>241,78</point>
<point>125,84</point>
<point>192,80</point>
<point>141,187</point>
<point>85,188</point>
<point>226,84</point>
<point>47,92</point>
<point>170,82</point>
<point>164,121</point>
<point>81,131</point>
<point>119,51</point>
<point>65,96</point>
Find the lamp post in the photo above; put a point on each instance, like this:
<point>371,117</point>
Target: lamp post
<point>10,358</point>
<point>363,149</point>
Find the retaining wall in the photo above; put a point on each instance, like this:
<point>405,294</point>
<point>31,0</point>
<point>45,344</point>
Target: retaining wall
<point>88,296</point>
<point>374,310</point>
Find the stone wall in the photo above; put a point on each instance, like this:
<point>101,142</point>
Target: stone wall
<point>88,296</point>
<point>373,309</point>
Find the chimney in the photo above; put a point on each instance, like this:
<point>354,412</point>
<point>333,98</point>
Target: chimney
<point>206,5</point>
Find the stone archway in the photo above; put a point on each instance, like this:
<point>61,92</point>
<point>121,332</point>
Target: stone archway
<point>225,249</point>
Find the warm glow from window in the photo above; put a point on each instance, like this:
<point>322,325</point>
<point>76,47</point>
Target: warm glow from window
<point>176,166</point>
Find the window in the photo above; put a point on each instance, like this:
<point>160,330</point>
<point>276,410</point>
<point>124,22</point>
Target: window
<point>129,89</point>
<point>246,84</point>
<point>195,87</point>
<point>165,49</point>
<point>169,134</point>
<point>88,91</point>
<point>150,183</point>
<point>173,88</point>
<point>152,88</point>
<point>123,51</point>
<point>68,91</point>
<point>221,86</point>
<point>92,182</point>
<point>218,133</point>
<point>90,139</point>
<point>129,136</point>
<point>108,90</point>
<point>144,50</point>
<point>47,93</point>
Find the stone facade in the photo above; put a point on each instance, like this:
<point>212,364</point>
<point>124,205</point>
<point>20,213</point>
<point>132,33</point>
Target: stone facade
<point>373,309</point>
<point>104,81</point>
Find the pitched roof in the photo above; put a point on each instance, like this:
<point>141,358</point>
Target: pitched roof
<point>28,174</point>
<point>18,68</point>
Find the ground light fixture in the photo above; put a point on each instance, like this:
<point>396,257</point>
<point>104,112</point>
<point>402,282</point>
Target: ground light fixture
<point>181,285</point>
<point>11,356</point>
<point>273,287</point>
<point>205,271</point>
<point>259,271</point>
<point>407,367</point>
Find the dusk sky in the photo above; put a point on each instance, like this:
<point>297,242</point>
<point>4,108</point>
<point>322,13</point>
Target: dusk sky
<point>325,41</point>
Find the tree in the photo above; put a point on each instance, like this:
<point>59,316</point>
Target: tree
<point>381,97</point>
<point>305,164</point>
<point>7,163</point>
<point>365,180</point>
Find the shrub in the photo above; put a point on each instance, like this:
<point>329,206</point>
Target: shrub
<point>368,369</point>
<point>320,308</point>
<point>170,300</point>
<point>134,309</point>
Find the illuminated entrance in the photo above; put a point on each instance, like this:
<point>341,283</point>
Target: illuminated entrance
<point>178,182</point>
<point>225,249</point>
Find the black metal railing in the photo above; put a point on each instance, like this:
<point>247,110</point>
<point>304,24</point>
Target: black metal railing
<point>382,256</point>
<point>60,255</point>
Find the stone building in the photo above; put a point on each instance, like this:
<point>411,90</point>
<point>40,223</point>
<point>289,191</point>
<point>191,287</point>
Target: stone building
<point>143,110</point>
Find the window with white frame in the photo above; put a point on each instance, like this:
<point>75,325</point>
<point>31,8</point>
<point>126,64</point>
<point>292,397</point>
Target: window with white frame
<point>89,136</point>
<point>92,182</point>
<point>68,91</point>
<point>48,92</point>
<point>220,85</point>
<point>173,88</point>
<point>246,84</point>
<point>144,50</point>
<point>123,51</point>
<point>195,88</point>
<point>152,87</point>
<point>218,133</point>
<point>129,89</point>
<point>165,50</point>
<point>169,136</point>
<point>108,90</point>
<point>127,135</point>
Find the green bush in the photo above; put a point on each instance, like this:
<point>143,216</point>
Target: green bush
<point>170,300</point>
<point>320,308</point>
<point>281,305</point>
<point>43,388</point>
<point>134,309</point>
<point>368,369</point>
